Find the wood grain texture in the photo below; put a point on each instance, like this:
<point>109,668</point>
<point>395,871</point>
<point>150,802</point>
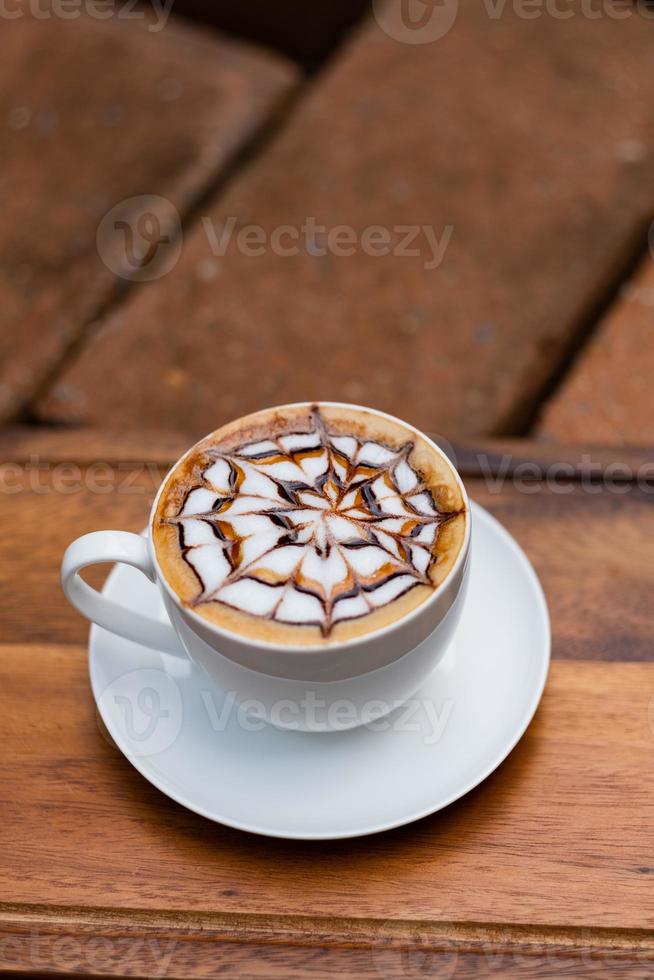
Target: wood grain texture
<point>544,870</point>
<point>57,503</point>
<point>558,836</point>
<point>478,457</point>
<point>132,943</point>
<point>589,540</point>
<point>21,443</point>
<point>592,552</point>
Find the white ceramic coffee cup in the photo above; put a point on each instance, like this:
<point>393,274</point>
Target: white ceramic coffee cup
<point>330,687</point>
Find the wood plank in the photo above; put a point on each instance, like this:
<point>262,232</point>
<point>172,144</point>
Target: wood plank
<point>104,942</point>
<point>122,109</point>
<point>542,222</point>
<point>591,548</point>
<point>609,394</point>
<point>35,443</point>
<point>480,457</point>
<point>555,464</point>
<point>56,504</point>
<point>558,836</point>
<point>589,544</point>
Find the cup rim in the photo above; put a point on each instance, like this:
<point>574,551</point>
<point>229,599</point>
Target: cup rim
<point>233,637</point>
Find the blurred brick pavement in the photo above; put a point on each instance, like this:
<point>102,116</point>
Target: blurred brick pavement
<point>515,154</point>
<point>94,112</point>
<point>608,396</point>
<point>530,139</point>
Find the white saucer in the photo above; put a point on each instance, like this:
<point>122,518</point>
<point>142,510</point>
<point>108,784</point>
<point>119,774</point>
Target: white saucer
<point>196,746</point>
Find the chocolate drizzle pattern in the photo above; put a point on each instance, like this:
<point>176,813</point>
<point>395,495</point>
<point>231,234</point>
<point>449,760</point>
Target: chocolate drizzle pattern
<point>309,528</point>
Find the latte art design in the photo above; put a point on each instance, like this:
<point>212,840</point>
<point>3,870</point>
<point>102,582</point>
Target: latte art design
<point>309,528</point>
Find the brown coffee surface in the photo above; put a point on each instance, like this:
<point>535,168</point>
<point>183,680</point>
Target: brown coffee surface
<point>309,524</point>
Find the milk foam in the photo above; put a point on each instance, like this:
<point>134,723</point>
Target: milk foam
<point>309,528</point>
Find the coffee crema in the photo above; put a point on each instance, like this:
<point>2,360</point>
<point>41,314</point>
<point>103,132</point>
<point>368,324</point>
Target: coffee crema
<point>309,524</point>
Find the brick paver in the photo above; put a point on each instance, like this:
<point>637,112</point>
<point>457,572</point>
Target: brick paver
<point>608,397</point>
<point>530,140</point>
<point>94,111</point>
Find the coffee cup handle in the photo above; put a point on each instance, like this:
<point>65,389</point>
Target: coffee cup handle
<point>130,549</point>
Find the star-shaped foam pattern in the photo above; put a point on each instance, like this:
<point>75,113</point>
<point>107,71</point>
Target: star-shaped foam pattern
<point>309,528</point>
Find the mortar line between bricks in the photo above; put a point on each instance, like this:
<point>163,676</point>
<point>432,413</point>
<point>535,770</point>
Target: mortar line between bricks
<point>261,138</point>
<point>523,418</point>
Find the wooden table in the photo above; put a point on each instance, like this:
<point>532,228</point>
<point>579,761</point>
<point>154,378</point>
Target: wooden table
<point>547,869</point>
